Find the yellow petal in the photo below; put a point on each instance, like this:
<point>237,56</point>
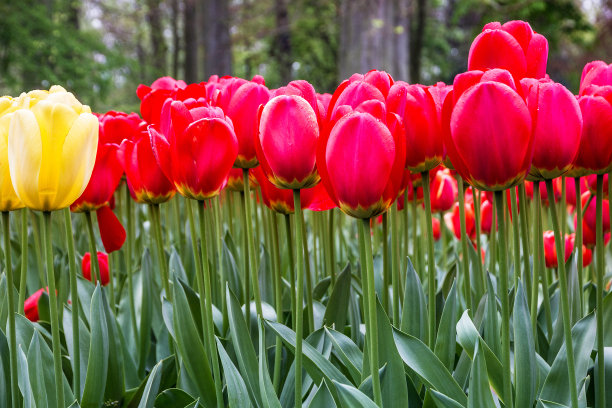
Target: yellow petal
<point>77,159</point>
<point>24,156</point>
<point>8,199</point>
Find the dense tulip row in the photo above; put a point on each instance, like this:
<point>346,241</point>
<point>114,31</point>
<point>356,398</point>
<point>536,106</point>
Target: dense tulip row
<point>377,149</point>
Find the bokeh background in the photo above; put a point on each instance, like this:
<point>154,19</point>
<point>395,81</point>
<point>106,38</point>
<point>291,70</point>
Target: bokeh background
<point>102,49</point>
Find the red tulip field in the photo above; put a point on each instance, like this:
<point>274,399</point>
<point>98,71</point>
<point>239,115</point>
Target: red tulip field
<point>385,245</point>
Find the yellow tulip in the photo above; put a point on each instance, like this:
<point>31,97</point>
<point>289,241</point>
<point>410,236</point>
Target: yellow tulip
<point>52,145</point>
<point>8,199</point>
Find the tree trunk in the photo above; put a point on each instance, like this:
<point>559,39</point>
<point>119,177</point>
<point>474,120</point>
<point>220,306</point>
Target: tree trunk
<point>281,48</point>
<point>190,34</point>
<point>417,43</point>
<point>158,44</point>
<point>216,38</point>
<point>176,38</point>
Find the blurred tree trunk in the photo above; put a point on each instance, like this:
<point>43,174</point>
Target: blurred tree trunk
<point>176,38</point>
<point>418,33</point>
<point>190,34</point>
<point>281,48</point>
<point>158,44</point>
<point>216,38</point>
<point>374,34</point>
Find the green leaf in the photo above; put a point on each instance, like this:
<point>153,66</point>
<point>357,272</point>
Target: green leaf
<point>191,348</point>
<point>243,347</point>
<point>323,398</point>
<point>173,398</point>
<point>115,381</point>
<point>5,382</point>
<point>480,393</point>
<point>23,373</point>
<point>42,376</point>
<point>442,401</point>
<point>556,386</point>
<point>347,352</point>
<point>446,338</point>
<point>525,374</point>
<point>97,366</point>
<point>144,308</point>
<point>268,396</point>
<point>427,366</point>
<point>414,312</point>
<point>237,394</point>
<point>84,341</point>
<point>351,397</point>
<point>491,320</point>
<point>337,305</point>
<point>550,404</point>
<point>150,392</point>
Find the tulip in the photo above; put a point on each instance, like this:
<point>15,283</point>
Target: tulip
<point>30,306</point>
<point>242,109</point>
<point>195,149</point>
<point>443,191</point>
<point>104,270</point>
<point>490,142</point>
<point>286,142</point>
<point>235,180</point>
<point>435,224</point>
<point>557,124</point>
<point>550,252</point>
<point>595,73</point>
<point>8,198</point>
<point>153,97</point>
<point>51,150</point>
<point>419,113</point>
<point>587,254</point>
<point>513,46</point>
<point>145,179</point>
<point>590,213</point>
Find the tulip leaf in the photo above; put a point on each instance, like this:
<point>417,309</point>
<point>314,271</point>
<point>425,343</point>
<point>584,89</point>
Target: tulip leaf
<point>268,396</point>
<point>97,366</point>
<point>173,398</point>
<point>152,387</point>
<point>480,393</point>
<point>23,373</point>
<point>144,299</point>
<point>347,352</point>
<point>447,332</point>
<point>524,352</point>
<point>84,341</point>
<point>42,376</point>
<point>442,401</point>
<point>322,398</point>
<point>351,397</point>
<point>237,394</point>
<point>550,404</point>
<point>491,320</point>
<point>337,305</point>
<point>427,366</point>
<point>414,312</point>
<point>115,381</point>
<point>5,382</point>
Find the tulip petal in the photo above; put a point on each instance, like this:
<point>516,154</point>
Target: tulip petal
<point>111,231</point>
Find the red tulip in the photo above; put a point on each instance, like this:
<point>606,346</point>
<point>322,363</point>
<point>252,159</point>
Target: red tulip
<point>453,221</point>
<point>435,224</point>
<point>196,147</point>
<point>557,127</point>
<point>235,180</point>
<point>361,160</point>
<point>595,151</point>
<point>153,97</point>
<point>595,73</point>
<point>443,191</point>
<point>286,142</point>
<point>490,142</point>
<point>242,109</point>
<point>146,181</point>
<point>418,110</point>
<point>513,46</point>
<point>550,250</point>
<point>359,89</point>
<point>102,261</point>
<point>30,306</point>
<point>587,254</point>
<point>590,213</point>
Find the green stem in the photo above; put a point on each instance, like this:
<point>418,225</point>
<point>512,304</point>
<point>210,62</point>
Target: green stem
<point>219,249</point>
<point>563,208</point>
<point>291,251</point>
<point>38,248</point>
<point>24,259</point>
<point>431,286</point>
<point>386,261</point>
<point>76,363</point>
<point>415,238</point>
<point>524,238</point>
<point>371,321</point>
<point>249,237</point>
<point>245,261</point>
<point>93,252</point>
<point>395,271</point>
<point>209,317</point>
<point>128,259</point>
<point>278,300</point>
<point>479,268</point>
<point>515,236</point>
<point>56,344</point>
<point>493,240</point>
<point>299,267</point>
<point>308,276</point>
<point>330,247</point>
<point>159,243</point>
<point>578,240</point>
<point>599,250</point>
<point>11,309</point>
<point>464,246</point>
<point>538,264</point>
<point>505,301</point>
<point>564,296</point>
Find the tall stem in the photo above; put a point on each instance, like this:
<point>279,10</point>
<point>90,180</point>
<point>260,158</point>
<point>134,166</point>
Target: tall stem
<point>56,345</point>
<point>251,251</point>
<point>128,259</point>
<point>245,255</point>
<point>599,250</point>
<point>431,269</point>
<point>464,245</point>
<point>24,259</point>
<point>209,317</point>
<point>278,300</point>
<point>478,226</point>
<point>40,266</point>
<point>565,309</point>
<point>93,252</point>
<point>291,251</point>
<point>11,309</point>
<point>386,261</point>
<point>308,276</point>
<point>299,315</point>
<point>371,321</point>
<point>504,297</point>
<point>524,238</point>
<point>159,243</point>
<point>578,240</point>
<point>493,241</point>
<point>330,247</point>
<point>76,357</point>
<point>395,271</point>
<point>515,237</point>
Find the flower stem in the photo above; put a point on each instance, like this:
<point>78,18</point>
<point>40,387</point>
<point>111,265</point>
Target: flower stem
<point>308,278</point>
<point>524,238</point>
<point>11,308</point>
<point>578,240</point>
<point>159,243</point>
<point>599,250</point>
<point>431,286</point>
<point>76,363</point>
<point>209,317</point>
<point>464,246</point>
<point>24,260</point>
<point>128,259</point>
<point>278,300</point>
<point>505,301</point>
<point>56,345</point>
<point>515,236</point>
<point>299,315</point>
<point>330,247</point>
<point>93,252</point>
<point>395,271</point>
<point>565,309</point>
<point>291,251</point>
<point>477,225</point>
<point>386,261</point>
<point>249,215</point>
<point>371,321</point>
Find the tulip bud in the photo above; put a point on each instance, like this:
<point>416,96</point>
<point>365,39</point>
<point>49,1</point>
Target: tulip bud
<point>595,73</point>
<point>550,250</point>
<point>30,306</point>
<point>102,262</point>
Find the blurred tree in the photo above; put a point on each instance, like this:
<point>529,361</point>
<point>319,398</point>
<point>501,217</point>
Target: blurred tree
<point>216,38</point>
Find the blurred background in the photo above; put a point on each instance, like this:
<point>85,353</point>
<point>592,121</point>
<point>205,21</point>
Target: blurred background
<point>102,49</point>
